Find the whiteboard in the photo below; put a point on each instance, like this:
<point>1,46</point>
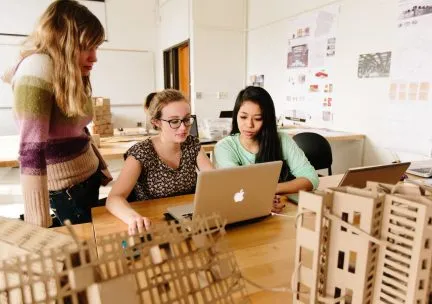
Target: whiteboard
<point>9,56</point>
<point>18,17</point>
<point>126,77</point>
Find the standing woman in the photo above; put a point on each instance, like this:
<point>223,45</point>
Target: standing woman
<point>52,104</point>
<point>160,166</point>
<point>255,139</point>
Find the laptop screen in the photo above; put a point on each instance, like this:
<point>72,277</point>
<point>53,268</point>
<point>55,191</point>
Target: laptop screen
<point>225,114</point>
<point>388,174</point>
<point>358,177</point>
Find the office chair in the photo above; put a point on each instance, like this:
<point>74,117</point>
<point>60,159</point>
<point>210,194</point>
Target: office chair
<point>225,114</point>
<point>194,128</point>
<point>317,150</point>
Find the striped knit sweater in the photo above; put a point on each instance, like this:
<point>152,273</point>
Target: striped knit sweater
<point>54,152</point>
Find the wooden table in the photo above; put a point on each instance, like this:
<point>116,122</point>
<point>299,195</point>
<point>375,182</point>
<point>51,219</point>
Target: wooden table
<point>84,231</point>
<point>264,250</point>
<point>110,148</point>
<point>114,147</point>
<point>330,135</point>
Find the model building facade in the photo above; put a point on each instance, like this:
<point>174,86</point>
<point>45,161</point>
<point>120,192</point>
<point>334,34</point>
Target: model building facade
<point>364,246</point>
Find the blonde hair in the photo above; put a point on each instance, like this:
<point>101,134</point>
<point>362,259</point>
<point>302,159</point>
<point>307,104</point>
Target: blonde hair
<point>65,29</point>
<point>161,100</point>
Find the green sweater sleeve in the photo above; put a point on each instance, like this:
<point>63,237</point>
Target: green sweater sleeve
<point>225,153</point>
<point>297,161</point>
<point>229,153</point>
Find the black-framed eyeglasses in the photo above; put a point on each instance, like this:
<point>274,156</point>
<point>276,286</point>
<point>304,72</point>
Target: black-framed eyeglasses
<point>176,123</point>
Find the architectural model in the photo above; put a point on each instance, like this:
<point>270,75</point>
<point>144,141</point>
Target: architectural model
<point>174,263</point>
<point>371,245</point>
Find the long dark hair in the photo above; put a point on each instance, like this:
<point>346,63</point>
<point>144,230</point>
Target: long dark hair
<point>270,148</point>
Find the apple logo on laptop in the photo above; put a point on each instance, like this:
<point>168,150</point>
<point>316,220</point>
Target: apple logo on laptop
<point>239,196</point>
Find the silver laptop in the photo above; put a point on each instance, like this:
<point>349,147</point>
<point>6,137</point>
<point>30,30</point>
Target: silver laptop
<point>421,168</point>
<point>358,177</point>
<point>387,174</point>
<point>236,194</point>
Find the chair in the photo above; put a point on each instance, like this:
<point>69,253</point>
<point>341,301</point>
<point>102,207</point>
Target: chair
<point>225,114</point>
<point>317,150</point>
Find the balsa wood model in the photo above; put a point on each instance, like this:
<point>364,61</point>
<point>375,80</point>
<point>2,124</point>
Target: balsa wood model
<point>369,245</point>
<point>187,262</point>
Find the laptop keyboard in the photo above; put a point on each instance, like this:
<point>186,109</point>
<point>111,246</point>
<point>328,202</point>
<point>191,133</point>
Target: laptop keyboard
<point>187,216</point>
<point>422,170</point>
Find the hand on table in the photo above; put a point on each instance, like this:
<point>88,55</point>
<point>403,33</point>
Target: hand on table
<point>138,224</point>
<point>278,204</point>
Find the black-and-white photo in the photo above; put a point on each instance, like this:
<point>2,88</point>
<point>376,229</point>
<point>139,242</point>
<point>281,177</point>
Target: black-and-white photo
<point>331,46</point>
<point>415,11</point>
<point>298,56</point>
<point>374,65</point>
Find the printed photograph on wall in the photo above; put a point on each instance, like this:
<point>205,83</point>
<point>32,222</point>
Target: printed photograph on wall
<point>257,80</point>
<point>413,91</point>
<point>374,65</point>
<point>415,11</point>
<point>331,47</point>
<point>327,116</point>
<point>298,56</point>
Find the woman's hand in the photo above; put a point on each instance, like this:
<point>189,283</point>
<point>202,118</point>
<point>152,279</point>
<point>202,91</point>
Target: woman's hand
<point>278,205</point>
<point>138,224</point>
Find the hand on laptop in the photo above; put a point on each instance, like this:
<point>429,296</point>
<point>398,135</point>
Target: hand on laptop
<point>138,224</point>
<point>278,205</point>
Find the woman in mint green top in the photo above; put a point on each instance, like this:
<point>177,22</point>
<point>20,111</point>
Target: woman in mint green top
<point>254,139</point>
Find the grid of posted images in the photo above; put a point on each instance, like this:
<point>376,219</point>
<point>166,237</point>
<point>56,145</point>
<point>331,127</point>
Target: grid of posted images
<point>413,91</point>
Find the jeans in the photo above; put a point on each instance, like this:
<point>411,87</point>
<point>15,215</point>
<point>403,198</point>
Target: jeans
<point>75,203</point>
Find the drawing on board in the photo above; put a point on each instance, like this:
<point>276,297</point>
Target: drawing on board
<point>311,51</point>
<point>411,79</point>
<point>374,65</point>
<point>298,56</point>
<point>415,11</point>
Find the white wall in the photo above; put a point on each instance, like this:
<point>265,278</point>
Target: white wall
<point>216,31</point>
<point>131,29</point>
<point>218,54</point>
<point>360,105</point>
<point>173,23</point>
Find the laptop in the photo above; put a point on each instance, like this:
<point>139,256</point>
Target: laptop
<point>194,132</point>
<point>236,194</point>
<point>421,168</point>
<point>358,177</point>
<point>225,114</point>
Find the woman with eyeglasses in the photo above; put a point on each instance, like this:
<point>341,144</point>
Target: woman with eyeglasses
<point>161,166</point>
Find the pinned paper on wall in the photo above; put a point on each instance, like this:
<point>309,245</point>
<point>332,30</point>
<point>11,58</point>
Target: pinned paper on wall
<point>409,10</point>
<point>414,91</point>
<point>374,65</point>
<point>311,51</point>
<point>406,119</point>
<point>411,77</point>
<point>298,56</point>
<point>256,80</point>
<point>331,47</point>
